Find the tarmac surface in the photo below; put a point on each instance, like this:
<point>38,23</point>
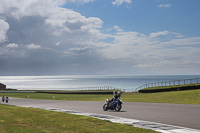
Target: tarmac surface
<point>173,114</point>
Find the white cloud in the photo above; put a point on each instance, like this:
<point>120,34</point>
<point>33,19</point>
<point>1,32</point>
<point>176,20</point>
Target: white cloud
<point>164,5</point>
<point>160,33</point>
<point>12,45</point>
<point>80,1</point>
<point>152,64</point>
<point>58,43</point>
<point>20,8</point>
<point>127,45</point>
<point>44,8</point>
<point>33,46</point>
<point>117,28</point>
<point>119,2</point>
<point>151,52</point>
<point>58,20</point>
<point>4,26</point>
<point>183,41</point>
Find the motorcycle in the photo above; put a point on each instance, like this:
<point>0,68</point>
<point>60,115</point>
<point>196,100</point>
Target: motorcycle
<point>113,105</point>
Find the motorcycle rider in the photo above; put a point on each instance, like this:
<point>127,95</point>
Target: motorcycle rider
<point>115,97</point>
<point>3,98</point>
<point>7,99</point>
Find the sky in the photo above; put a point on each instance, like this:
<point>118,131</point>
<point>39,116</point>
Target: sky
<point>99,37</point>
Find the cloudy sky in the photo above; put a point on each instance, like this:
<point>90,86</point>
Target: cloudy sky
<point>102,37</point>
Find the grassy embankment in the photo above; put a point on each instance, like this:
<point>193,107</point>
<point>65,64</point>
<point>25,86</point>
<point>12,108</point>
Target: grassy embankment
<point>30,120</point>
<point>172,86</point>
<point>175,97</point>
<point>178,97</point>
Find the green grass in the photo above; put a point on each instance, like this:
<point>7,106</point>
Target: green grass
<point>175,97</point>
<point>179,97</point>
<point>69,97</point>
<point>30,120</point>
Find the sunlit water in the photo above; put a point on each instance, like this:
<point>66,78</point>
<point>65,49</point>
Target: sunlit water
<point>79,82</point>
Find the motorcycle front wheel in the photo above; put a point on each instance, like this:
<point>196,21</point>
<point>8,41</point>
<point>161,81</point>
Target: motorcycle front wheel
<point>105,107</point>
<point>118,107</point>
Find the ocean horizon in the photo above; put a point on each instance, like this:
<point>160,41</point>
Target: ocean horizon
<point>82,82</point>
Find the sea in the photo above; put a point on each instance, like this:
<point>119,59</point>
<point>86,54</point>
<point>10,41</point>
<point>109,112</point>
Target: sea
<point>86,82</point>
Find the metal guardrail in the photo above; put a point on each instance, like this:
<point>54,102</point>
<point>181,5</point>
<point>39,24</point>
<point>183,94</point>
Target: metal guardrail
<point>170,83</point>
<point>94,88</point>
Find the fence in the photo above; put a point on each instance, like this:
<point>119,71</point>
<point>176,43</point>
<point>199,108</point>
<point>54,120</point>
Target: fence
<point>94,88</point>
<point>170,83</point>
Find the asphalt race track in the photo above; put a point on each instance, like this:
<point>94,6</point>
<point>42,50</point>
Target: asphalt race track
<point>174,114</point>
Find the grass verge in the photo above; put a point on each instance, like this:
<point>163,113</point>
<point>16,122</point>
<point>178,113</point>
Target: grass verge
<point>175,97</point>
<point>171,86</point>
<point>18,119</point>
<point>69,97</point>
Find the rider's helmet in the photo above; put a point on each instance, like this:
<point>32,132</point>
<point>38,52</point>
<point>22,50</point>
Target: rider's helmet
<point>118,93</point>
